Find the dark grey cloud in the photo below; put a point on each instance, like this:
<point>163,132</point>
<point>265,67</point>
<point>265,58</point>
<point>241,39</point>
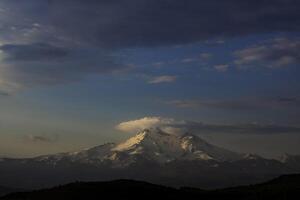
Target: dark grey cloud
<point>174,126</point>
<point>240,103</point>
<point>117,23</point>
<point>2,93</point>
<point>41,138</point>
<point>289,100</point>
<point>28,65</point>
<point>33,52</point>
<point>276,53</point>
<point>241,128</point>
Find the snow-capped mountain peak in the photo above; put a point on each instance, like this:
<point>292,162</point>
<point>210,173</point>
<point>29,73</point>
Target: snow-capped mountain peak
<point>288,158</point>
<point>199,148</point>
<point>152,145</point>
<point>131,142</point>
<point>157,145</point>
<point>250,156</point>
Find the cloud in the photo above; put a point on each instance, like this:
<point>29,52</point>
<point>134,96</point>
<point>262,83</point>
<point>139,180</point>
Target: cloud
<point>174,22</point>
<point>84,35</point>
<point>28,65</point>
<point>189,60</point>
<point>145,123</point>
<point>253,128</point>
<point>33,52</point>
<point>221,68</point>
<point>277,53</point>
<point>40,138</point>
<point>203,57</point>
<point>2,93</point>
<point>173,126</point>
<point>239,104</point>
<point>163,79</point>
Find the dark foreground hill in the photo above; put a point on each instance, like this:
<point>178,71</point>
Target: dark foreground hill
<point>284,187</point>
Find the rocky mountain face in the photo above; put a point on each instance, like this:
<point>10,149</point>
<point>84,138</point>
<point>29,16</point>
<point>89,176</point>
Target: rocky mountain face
<point>151,155</point>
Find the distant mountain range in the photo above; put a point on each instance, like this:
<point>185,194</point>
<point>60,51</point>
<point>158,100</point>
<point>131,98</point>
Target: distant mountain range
<point>151,155</point>
<point>282,188</point>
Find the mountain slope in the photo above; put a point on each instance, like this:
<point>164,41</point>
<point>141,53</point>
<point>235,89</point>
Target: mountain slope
<point>284,187</point>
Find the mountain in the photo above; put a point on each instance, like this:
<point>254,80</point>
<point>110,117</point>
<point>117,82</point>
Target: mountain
<point>151,155</point>
<point>149,145</point>
<point>284,187</point>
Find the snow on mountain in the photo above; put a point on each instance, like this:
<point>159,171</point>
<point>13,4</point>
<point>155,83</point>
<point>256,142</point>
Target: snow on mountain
<point>292,161</point>
<point>151,145</point>
<point>196,148</point>
<point>285,158</point>
<point>250,156</point>
<point>164,147</point>
<point>93,155</point>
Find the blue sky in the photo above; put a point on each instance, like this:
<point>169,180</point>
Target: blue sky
<point>72,70</point>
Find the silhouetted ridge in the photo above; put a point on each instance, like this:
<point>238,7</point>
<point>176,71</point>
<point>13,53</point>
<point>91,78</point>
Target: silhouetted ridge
<point>290,179</point>
<point>284,187</point>
<point>121,189</point>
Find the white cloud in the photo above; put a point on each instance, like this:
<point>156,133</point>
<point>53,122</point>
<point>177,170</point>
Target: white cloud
<point>221,68</point>
<point>165,124</point>
<point>280,52</point>
<point>205,56</point>
<point>163,79</point>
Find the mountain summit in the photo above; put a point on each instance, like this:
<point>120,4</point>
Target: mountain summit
<point>156,145</point>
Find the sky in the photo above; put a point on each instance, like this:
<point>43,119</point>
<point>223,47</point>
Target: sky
<point>73,71</point>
